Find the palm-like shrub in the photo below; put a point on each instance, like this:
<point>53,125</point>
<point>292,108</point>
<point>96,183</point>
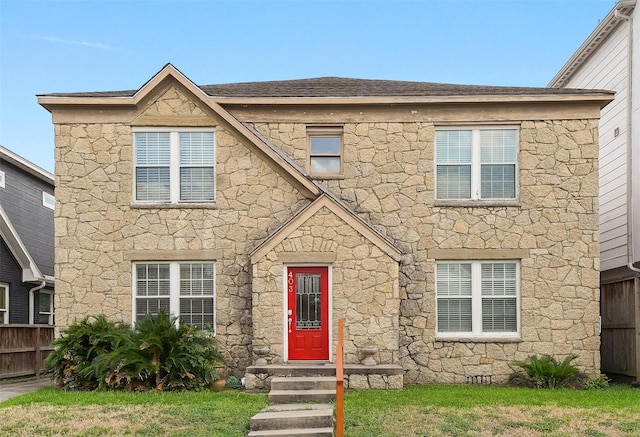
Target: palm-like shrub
<point>160,354</point>
<point>547,372</point>
<point>71,363</point>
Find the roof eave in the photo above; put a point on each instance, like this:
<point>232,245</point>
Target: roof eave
<point>592,43</point>
<point>600,96</point>
<point>26,165</point>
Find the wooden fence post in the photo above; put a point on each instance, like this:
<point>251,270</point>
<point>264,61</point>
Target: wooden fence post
<point>340,381</point>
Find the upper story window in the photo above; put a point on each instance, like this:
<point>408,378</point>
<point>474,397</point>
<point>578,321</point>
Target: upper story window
<point>4,304</point>
<point>184,289</point>
<point>325,150</point>
<point>476,164</point>
<point>477,299</point>
<point>48,200</point>
<point>2,178</point>
<point>173,166</point>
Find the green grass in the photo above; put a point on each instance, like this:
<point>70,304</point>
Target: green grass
<point>434,410</point>
<point>466,410</point>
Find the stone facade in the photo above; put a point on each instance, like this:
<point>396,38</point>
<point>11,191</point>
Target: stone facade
<point>388,182</point>
<point>364,288</point>
<point>389,179</point>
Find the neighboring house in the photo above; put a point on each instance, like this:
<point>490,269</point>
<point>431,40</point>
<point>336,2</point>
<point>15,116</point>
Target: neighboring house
<point>609,59</point>
<point>26,241</point>
<point>453,226</point>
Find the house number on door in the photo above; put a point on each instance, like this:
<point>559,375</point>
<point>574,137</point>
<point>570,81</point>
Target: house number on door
<point>290,282</point>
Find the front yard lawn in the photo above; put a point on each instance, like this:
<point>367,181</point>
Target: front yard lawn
<point>431,410</point>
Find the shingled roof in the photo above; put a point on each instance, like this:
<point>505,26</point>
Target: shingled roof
<point>326,87</point>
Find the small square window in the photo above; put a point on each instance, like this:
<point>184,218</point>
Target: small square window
<point>48,200</point>
<point>325,150</point>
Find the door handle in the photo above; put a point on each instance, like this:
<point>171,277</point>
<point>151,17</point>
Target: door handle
<point>290,312</point>
<point>290,325</point>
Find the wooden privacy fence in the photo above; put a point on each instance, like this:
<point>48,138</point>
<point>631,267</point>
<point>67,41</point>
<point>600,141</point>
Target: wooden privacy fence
<point>620,310</point>
<point>23,349</point>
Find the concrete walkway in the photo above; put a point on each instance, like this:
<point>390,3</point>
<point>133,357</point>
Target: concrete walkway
<point>11,389</point>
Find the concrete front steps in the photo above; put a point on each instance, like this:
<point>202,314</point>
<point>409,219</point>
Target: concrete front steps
<point>288,420</point>
<point>300,408</point>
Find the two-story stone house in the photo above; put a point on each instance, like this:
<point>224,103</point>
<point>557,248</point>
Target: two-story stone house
<point>455,227</point>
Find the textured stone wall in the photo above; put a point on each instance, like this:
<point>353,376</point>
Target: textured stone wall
<point>364,289</point>
<point>389,181</point>
<point>97,224</point>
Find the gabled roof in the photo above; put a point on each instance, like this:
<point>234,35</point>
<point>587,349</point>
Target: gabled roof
<point>339,209</point>
<point>593,42</point>
<point>324,90</point>
<point>168,73</point>
<point>30,271</point>
<point>29,167</point>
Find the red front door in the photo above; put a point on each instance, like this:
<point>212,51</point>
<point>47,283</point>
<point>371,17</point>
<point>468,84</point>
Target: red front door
<point>308,313</point>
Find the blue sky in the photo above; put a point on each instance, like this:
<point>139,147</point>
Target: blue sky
<point>69,46</point>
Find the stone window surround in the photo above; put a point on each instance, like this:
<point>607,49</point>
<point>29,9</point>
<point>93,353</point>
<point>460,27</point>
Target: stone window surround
<point>327,131</point>
<point>485,255</point>
<point>174,169</point>
<point>515,202</point>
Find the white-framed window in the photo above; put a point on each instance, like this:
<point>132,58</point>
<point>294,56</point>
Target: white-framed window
<point>48,200</point>
<point>4,304</point>
<point>2,179</point>
<point>325,150</point>
<point>174,165</point>
<point>478,299</point>
<point>476,163</point>
<point>45,308</point>
<point>183,289</point>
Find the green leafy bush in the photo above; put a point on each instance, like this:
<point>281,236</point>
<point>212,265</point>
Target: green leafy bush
<point>596,382</point>
<point>159,354</point>
<point>547,372</point>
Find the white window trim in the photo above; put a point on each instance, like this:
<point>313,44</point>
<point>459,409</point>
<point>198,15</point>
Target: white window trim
<point>48,200</point>
<point>2,179</point>
<point>174,287</point>
<point>4,315</point>
<point>476,303</point>
<point>51,311</point>
<point>174,165</point>
<point>476,165</point>
<point>325,131</point>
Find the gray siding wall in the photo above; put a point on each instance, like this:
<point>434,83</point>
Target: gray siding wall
<point>608,68</point>
<point>11,274</point>
<point>21,198</point>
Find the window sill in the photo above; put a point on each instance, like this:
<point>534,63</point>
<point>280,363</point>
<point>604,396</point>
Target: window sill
<point>479,339</point>
<point>478,203</point>
<point>321,176</point>
<point>174,205</point>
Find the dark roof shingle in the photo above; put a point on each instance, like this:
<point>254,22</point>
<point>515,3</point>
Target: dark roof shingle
<point>346,87</point>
